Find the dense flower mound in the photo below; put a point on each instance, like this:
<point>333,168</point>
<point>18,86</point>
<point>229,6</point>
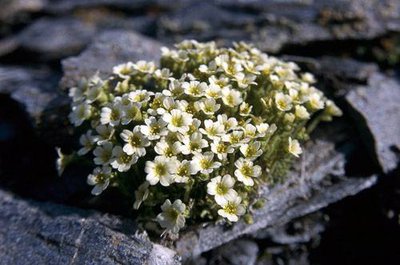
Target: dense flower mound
<point>193,139</point>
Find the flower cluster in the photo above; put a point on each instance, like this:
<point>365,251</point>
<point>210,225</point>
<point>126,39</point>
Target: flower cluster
<point>200,133</point>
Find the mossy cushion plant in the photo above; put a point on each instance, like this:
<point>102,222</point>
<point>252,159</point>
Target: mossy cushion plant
<point>194,138</point>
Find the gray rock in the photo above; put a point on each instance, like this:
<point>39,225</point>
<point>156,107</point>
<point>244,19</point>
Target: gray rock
<point>55,38</point>
<point>11,9</point>
<point>274,25</point>
<point>307,190</point>
<point>34,88</point>
<point>238,252</point>
<point>378,109</point>
<point>107,50</point>
<point>45,233</point>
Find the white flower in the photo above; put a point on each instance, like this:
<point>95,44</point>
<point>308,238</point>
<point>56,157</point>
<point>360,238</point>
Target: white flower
<point>184,170</point>
<point>246,171</point>
<point>140,96</point>
<point>154,128</point>
<point>124,70</point>
<point>231,208</point>
<point>111,115</point>
<point>194,88</point>
<point>141,195</point>
<point>100,179</point>
<point>80,113</point>
<point>131,112</point>
<point>221,188</point>
<point>262,129</point>
<point>135,142</point>
<point>144,67</point>
<point>221,149</point>
<point>208,106</point>
<point>244,80</point>
<point>193,144</point>
<point>294,147</point>
<point>161,170</point>
<point>250,131</point>
<point>121,160</point>
<point>308,77</point>
<point>87,141</point>
<point>204,162</point>
<point>168,104</point>
<point>231,97</point>
<point>283,102</point>
<point>105,133</point>
<point>213,91</point>
<point>213,130</point>
<point>172,217</point>
<point>301,113</point>
<point>235,138</point>
<point>175,88</point>
<point>163,74</point>
<point>178,121</point>
<point>229,124</point>
<point>103,153</point>
<point>316,101</point>
<point>168,149</point>
<point>251,150</point>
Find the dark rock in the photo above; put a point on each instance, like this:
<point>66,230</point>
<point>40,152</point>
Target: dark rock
<point>46,233</point>
<point>107,50</point>
<point>34,88</point>
<point>56,38</point>
<point>238,252</point>
<point>377,106</point>
<point>276,25</point>
<point>11,9</point>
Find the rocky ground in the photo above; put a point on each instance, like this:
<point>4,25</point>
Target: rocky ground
<point>352,46</point>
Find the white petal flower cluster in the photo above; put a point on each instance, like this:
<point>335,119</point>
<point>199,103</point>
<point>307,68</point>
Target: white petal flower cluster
<point>204,129</point>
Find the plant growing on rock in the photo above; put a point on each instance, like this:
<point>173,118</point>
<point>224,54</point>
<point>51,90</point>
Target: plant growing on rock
<point>194,138</point>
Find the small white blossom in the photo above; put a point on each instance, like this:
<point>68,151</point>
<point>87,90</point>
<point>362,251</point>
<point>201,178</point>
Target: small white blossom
<point>184,170</point>
<point>316,101</point>
<point>178,121</point>
<point>232,208</point>
<point>302,113</point>
<point>140,96</point>
<point>221,149</point>
<point>105,133</point>
<point>208,106</point>
<point>204,162</point>
<point>212,130</point>
<point>162,170</point>
<point>283,102</point>
<point>121,160</point>
<point>251,150</point>
<point>193,144</point>
<point>80,113</point>
<point>111,115</point>
<point>229,124</point>
<point>262,129</point>
<point>168,149</point>
<point>221,188</point>
<point>136,142</point>
<point>103,153</point>
<point>231,97</point>
<point>144,67</point>
<point>294,147</point>
<point>87,141</point>
<point>154,128</point>
<point>172,217</point>
<point>194,88</point>
<point>124,70</point>
<point>246,171</point>
<point>100,179</point>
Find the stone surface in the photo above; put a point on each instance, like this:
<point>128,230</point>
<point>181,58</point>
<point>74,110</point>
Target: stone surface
<point>238,252</point>
<point>55,38</point>
<point>308,189</point>
<point>378,109</point>
<point>45,233</point>
<point>34,88</point>
<point>275,25</point>
<point>107,50</point>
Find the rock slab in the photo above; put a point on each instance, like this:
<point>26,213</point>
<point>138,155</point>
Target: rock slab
<point>45,233</point>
